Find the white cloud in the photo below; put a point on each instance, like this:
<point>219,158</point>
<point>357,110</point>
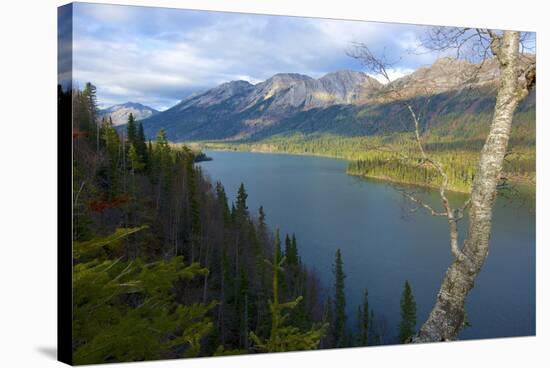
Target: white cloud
<point>107,13</point>
<point>158,56</point>
<point>393,74</point>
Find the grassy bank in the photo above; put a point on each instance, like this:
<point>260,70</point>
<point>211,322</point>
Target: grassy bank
<point>381,157</point>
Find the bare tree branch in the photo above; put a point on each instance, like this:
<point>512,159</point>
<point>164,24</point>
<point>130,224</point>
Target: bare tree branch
<point>516,80</point>
<point>378,66</point>
<point>416,200</point>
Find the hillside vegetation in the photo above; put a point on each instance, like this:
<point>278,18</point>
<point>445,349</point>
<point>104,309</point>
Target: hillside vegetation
<point>165,266</point>
<point>454,138</point>
<point>348,115</point>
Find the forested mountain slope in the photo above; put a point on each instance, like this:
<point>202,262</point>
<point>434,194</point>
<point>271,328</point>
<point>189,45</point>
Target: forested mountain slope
<point>165,266</point>
<point>344,103</point>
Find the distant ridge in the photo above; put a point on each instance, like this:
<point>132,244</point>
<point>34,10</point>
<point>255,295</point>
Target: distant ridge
<point>119,113</point>
<point>344,102</point>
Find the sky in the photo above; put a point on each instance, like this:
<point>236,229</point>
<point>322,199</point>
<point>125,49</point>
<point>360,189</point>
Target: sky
<point>158,56</point>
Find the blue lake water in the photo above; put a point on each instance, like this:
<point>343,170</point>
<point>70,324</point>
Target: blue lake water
<point>383,243</point>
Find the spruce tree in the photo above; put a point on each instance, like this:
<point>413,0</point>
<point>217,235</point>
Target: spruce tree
<point>374,330</point>
<point>294,248</point>
<point>283,336</point>
<point>194,205</point>
<point>328,317</point>
<point>277,265</point>
<point>110,139</point>
<point>107,328</point>
<point>241,208</point>
<point>161,144</point>
<point>339,325</point>
<point>150,154</point>
<point>407,327</point>
<point>278,251</point>
<point>92,125</point>
<point>261,217</point>
<point>89,93</point>
<point>222,200</point>
<point>141,145</point>
<point>363,318</point>
<point>134,159</point>
<point>233,213</point>
<point>262,226</point>
<point>291,250</point>
<point>131,130</point>
<point>288,250</point>
<point>358,338</point>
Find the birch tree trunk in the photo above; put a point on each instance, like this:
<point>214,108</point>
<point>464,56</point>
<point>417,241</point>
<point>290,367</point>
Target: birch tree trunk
<point>448,315</point>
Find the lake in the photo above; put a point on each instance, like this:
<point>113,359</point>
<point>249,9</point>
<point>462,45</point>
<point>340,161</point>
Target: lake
<point>383,242</point>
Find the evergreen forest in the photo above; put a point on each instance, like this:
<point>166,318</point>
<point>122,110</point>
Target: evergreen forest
<point>166,266</point>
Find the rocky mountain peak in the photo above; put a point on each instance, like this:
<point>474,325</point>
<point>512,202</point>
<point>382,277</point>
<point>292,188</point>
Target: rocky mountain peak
<point>350,86</point>
<point>443,75</point>
<point>239,109</point>
<point>119,113</point>
<point>344,75</point>
<point>216,95</point>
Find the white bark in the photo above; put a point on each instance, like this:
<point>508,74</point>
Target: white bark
<point>448,315</point>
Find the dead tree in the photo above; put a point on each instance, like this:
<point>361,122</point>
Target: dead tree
<point>517,78</point>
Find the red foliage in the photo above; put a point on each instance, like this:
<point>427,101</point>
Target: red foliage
<point>78,134</point>
<point>102,205</point>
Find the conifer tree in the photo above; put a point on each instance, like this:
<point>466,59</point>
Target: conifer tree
<point>144,302</point>
<point>285,337</point>
<point>107,328</point>
<point>261,216</point>
<point>262,225</point>
<point>162,149</point>
<point>149,155</point>
<point>293,273</point>
<point>131,130</point>
<point>222,200</point>
<point>90,98</point>
<point>295,255</point>
<point>291,250</point>
<point>339,325</point>
<point>141,145</point>
<point>192,191</point>
<point>278,251</point>
<point>242,307</point>
<point>111,144</point>
<point>241,207</point>
<point>134,159</point>
<point>328,317</point>
<point>194,205</point>
<point>359,325</point>
<point>374,330</point>
<point>233,212</point>
<point>363,319</point>
<point>407,327</point>
<point>288,250</point>
<point>90,93</point>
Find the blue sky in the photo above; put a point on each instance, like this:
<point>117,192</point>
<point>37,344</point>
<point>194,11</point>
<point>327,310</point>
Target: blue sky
<point>158,56</point>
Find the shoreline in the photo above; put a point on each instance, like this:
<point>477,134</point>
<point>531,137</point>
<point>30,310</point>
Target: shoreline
<point>276,153</point>
<point>387,179</point>
<point>516,180</point>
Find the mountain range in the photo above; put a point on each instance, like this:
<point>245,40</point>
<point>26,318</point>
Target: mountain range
<point>344,102</point>
<point>119,113</point>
